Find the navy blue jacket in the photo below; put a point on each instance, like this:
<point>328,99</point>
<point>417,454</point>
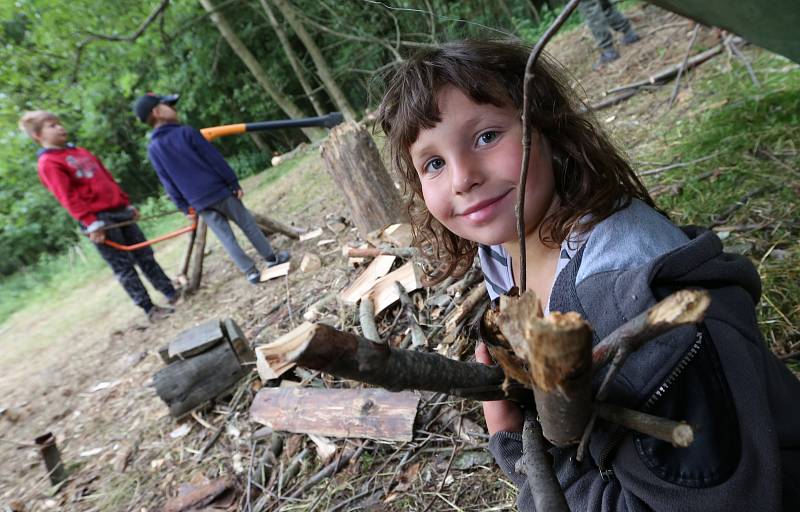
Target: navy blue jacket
<point>720,378</point>
<point>191,169</point>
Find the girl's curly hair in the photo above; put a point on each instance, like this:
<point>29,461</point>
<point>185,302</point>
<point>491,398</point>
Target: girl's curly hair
<point>592,179</point>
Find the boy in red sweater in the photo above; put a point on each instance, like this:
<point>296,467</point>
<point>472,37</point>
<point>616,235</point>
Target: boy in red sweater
<point>89,193</point>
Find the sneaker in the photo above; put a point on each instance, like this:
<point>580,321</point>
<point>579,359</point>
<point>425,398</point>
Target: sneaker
<point>157,313</point>
<point>175,297</point>
<point>281,257</point>
<point>254,276</point>
<point>606,56</point>
<point>630,38</point>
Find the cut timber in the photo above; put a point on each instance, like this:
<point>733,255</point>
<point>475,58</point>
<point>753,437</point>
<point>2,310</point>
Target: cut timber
<point>384,292</point>
<point>310,262</point>
<point>270,358</point>
<point>199,252</point>
<point>379,267</point>
<point>470,302</point>
<point>369,413</point>
<point>276,271</point>
<point>354,162</point>
<point>372,252</point>
<point>270,226</point>
<point>238,341</point>
<point>399,235</point>
<point>558,350</point>
<point>311,235</point>
<point>195,340</point>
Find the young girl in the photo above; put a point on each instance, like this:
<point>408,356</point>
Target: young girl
<point>595,244</point>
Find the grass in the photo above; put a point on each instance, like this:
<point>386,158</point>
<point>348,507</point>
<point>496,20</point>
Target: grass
<point>752,134</point>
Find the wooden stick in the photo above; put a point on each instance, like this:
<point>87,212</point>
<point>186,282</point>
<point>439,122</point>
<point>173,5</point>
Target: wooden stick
<point>350,356</point>
<point>347,455</point>
<point>669,167</point>
<point>470,302</point>
<point>199,252</point>
<point>418,338</point>
<point>366,316</point>
<point>558,350</point>
<point>270,226</point>
<point>527,86</point>
<point>683,66</point>
<point>372,252</point>
<point>187,257</point>
<point>677,433</point>
<point>671,71</point>
<point>536,464</point>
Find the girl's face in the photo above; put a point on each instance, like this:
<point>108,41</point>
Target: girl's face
<point>469,167</point>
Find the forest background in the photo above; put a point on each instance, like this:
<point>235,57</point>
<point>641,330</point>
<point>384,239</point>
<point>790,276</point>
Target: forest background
<point>87,61</point>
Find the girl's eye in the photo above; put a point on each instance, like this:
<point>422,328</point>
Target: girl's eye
<point>433,165</point>
<point>487,137</point>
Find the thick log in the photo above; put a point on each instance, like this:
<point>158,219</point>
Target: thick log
<point>558,351</point>
<point>354,162</point>
<point>199,251</point>
<point>270,226</point>
<point>349,356</point>
<point>369,413</point>
<point>187,384</point>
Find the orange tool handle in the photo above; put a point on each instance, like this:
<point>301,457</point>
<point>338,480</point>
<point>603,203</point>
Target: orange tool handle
<point>214,132</point>
<point>146,243</point>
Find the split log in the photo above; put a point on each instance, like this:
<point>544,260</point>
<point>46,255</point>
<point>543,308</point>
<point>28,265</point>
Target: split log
<point>354,162</point>
<point>204,369</point>
<point>379,267</point>
<point>384,292</point>
<point>199,252</point>
<point>370,413</point>
<point>270,226</point>
<point>398,235</point>
<point>310,262</point>
<point>558,352</point>
<point>271,273</point>
<point>374,252</point>
<point>310,235</point>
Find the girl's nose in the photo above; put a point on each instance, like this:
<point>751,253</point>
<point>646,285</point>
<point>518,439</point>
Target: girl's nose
<point>465,174</point>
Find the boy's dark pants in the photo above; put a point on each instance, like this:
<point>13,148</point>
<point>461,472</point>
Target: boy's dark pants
<point>122,262</point>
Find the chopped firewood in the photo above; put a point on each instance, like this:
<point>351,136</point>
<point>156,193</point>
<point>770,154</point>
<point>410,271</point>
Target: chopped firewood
<point>366,317</point>
<point>379,267</point>
<point>310,262</point>
<point>384,292</point>
<point>311,235</point>
<point>327,241</point>
<point>399,235</point>
<point>558,350</point>
<point>195,340</point>
<point>271,367</point>
<point>473,298</point>
<point>370,413</point>
<point>276,271</point>
<point>325,448</point>
<point>315,309</point>
<point>372,252</point>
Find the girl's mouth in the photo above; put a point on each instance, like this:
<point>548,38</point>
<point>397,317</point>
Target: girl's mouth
<point>483,210</point>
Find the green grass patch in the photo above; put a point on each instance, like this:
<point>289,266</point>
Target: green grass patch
<point>751,183</point>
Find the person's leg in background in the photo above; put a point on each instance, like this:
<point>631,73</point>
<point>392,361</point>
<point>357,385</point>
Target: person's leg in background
<point>595,18</point>
<point>146,261</point>
<point>122,264</point>
<point>218,223</point>
<point>619,22</point>
<point>235,210</point>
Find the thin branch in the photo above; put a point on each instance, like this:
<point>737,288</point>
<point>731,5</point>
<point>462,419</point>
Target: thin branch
<point>677,433</point>
<point>669,167</point>
<point>366,317</point>
<point>160,8</point>
<point>731,44</point>
<point>683,66</point>
<point>536,463</point>
<point>526,131</point>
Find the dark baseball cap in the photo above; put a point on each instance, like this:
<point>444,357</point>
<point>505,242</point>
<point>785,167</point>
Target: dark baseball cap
<point>145,104</point>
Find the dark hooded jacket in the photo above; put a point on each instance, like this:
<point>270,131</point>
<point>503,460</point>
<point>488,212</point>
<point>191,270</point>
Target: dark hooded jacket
<point>719,377</point>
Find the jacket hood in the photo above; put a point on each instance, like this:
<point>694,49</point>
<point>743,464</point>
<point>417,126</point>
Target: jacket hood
<point>164,129</point>
<point>42,151</point>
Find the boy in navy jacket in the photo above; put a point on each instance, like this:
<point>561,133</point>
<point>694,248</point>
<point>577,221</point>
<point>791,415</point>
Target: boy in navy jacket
<point>196,176</point>
<point>84,187</point>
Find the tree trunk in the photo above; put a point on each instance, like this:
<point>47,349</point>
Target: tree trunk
<point>353,161</point>
<point>269,226</point>
<point>324,71</point>
<point>261,144</point>
<point>236,44</point>
<point>292,57</point>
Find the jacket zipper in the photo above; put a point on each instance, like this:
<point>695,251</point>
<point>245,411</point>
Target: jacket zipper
<point>619,435</point>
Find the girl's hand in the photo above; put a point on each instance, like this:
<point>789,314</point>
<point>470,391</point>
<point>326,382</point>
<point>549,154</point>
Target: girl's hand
<point>501,415</point>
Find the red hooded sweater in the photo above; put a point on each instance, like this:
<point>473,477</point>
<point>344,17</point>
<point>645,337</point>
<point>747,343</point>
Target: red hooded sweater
<point>80,183</point>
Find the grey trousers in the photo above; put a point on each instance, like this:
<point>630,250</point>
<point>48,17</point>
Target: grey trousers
<point>231,209</point>
<point>599,16</point>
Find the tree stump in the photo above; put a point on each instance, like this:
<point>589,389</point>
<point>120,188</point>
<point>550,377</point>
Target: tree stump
<point>204,363</point>
<point>355,164</point>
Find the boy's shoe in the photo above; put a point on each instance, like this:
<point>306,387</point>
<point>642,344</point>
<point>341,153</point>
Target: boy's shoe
<point>630,38</point>
<point>606,56</point>
<point>157,313</point>
<point>175,298</point>
<point>281,257</point>
<point>254,276</point>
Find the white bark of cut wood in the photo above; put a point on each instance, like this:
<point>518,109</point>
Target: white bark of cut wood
<point>311,235</point>
<point>384,292</point>
<point>276,271</point>
<point>310,262</point>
